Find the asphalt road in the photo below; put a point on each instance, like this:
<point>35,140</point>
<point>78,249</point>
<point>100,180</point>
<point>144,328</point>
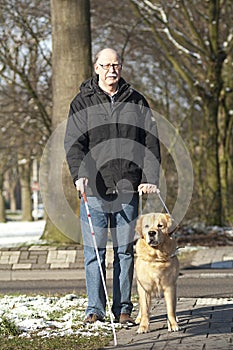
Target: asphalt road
<point>213,284</point>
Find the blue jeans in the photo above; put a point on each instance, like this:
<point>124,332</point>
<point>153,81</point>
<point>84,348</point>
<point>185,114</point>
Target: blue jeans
<point>119,216</point>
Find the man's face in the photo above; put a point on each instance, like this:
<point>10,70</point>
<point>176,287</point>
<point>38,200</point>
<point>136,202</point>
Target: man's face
<point>108,76</point>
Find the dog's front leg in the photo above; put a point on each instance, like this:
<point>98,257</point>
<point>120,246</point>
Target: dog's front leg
<point>170,298</point>
<point>138,319</point>
<point>144,310</point>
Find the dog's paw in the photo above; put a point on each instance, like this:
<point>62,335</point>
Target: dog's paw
<point>138,320</point>
<point>143,329</point>
<point>172,326</point>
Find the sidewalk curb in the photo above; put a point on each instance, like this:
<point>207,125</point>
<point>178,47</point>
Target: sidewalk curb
<point>36,275</point>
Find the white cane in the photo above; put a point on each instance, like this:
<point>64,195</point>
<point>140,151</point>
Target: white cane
<point>100,267</point>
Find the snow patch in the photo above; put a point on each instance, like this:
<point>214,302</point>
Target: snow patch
<point>50,316</point>
<point>14,233</point>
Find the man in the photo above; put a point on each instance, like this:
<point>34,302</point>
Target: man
<point>113,153</point>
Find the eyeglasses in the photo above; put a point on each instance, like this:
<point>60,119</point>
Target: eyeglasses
<point>116,66</point>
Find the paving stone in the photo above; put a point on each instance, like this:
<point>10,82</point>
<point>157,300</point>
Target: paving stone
<point>52,256</point>
<point>79,257</point>
<point>60,265</point>
<point>75,266</point>
<point>4,260</point>
<point>10,257</point>
<point>61,256</point>
<point>71,255</point>
<point>38,247</point>
<point>42,259</point>
<point>24,255</point>
<point>33,257</point>
<point>5,266</point>
<point>214,301</point>
<point>228,257</point>
<point>40,266</point>
<point>21,266</point>
<point>24,248</point>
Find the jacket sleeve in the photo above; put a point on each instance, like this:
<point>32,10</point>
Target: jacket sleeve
<point>152,157</point>
<point>76,141</point>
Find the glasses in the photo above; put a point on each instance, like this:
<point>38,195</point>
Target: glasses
<point>116,66</point>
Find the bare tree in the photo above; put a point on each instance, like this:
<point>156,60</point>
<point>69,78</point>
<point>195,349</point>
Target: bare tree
<point>196,39</point>
<point>71,65</point>
<point>25,90</point>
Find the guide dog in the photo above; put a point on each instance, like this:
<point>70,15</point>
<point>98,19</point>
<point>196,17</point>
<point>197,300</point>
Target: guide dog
<point>157,267</point>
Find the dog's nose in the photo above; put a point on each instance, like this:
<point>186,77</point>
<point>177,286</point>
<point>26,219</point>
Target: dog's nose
<point>152,233</point>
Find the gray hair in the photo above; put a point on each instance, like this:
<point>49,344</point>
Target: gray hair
<point>107,48</point>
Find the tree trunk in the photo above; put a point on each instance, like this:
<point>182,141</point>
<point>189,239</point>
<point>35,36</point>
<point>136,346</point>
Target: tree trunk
<point>26,201</point>
<point>212,183</point>
<point>11,181</point>
<point>2,202</point>
<point>71,66</point>
<point>225,125</point>
<point>12,199</point>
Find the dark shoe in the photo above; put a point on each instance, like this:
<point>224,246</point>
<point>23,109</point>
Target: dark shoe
<point>92,318</point>
<point>125,319</point>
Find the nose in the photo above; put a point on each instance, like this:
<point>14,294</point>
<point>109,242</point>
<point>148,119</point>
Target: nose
<point>152,233</point>
<point>111,68</point>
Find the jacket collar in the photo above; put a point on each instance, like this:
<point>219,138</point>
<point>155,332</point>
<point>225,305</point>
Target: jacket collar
<point>90,87</point>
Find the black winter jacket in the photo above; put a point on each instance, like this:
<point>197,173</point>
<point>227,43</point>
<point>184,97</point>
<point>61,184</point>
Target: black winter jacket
<point>112,142</point>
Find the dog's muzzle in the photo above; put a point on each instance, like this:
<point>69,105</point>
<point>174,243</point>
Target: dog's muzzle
<point>153,238</point>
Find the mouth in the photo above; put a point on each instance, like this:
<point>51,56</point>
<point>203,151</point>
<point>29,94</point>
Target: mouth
<point>111,76</point>
<point>153,243</point>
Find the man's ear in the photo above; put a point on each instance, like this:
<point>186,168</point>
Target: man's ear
<point>96,68</point>
<point>138,227</point>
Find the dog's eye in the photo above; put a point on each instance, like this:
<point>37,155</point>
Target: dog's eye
<point>160,225</point>
<point>146,226</point>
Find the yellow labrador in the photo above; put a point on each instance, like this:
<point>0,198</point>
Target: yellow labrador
<point>157,267</point>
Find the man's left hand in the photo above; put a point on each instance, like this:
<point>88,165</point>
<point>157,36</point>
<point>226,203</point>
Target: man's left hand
<point>147,188</point>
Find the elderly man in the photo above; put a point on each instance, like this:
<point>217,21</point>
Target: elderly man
<point>113,153</point>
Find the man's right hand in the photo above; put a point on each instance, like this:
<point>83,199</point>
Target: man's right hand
<point>80,184</point>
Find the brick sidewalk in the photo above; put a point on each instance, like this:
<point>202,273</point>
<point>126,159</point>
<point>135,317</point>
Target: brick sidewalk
<point>67,260</point>
<point>71,257</point>
<point>205,324</point>
<point>41,257</point>
<point>45,262</point>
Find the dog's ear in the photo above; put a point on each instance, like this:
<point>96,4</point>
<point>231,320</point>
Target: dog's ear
<point>169,220</point>
<point>169,224</point>
<point>138,227</point>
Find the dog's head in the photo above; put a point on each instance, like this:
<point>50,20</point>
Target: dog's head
<point>152,227</point>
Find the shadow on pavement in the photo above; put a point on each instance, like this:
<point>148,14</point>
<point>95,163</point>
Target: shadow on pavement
<point>207,327</point>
